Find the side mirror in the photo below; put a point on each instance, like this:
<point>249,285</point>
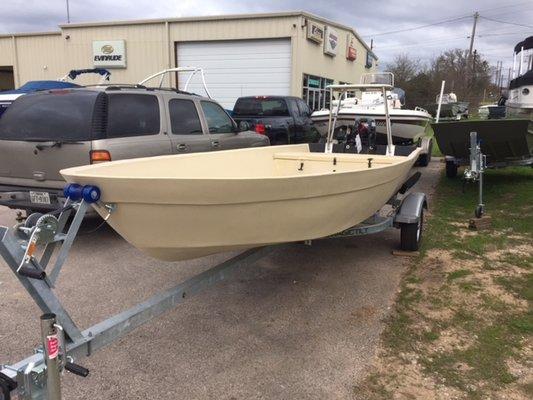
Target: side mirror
<point>244,126</point>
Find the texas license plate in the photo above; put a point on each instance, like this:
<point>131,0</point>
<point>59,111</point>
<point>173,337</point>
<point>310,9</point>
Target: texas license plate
<point>40,197</point>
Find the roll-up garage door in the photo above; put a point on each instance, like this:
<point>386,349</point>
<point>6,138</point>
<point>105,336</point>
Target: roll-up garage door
<point>236,68</point>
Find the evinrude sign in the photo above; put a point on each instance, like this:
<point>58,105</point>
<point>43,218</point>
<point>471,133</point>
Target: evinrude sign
<point>331,41</point>
<point>109,53</point>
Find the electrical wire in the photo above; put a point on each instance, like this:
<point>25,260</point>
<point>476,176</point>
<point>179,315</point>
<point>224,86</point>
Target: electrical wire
<point>419,27</point>
<point>505,22</point>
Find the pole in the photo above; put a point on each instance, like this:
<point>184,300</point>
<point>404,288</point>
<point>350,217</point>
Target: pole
<point>437,117</point>
<point>51,345</point>
<point>476,16</point>
<point>390,147</point>
<point>68,13</point>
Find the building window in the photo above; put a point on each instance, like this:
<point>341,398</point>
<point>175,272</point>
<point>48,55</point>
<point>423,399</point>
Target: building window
<point>350,93</point>
<point>314,91</point>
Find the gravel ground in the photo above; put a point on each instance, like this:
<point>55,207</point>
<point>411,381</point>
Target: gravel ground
<point>300,323</point>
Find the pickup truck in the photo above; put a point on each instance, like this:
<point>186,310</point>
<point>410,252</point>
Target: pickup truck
<point>44,132</point>
<point>284,119</point>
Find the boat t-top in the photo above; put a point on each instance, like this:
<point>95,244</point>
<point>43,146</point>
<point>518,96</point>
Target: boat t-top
<point>520,98</point>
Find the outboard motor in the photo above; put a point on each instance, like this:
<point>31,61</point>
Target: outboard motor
<point>362,137</point>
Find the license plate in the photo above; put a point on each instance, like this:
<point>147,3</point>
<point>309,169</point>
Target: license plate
<point>40,197</point>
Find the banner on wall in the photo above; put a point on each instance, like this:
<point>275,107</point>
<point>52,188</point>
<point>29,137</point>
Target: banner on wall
<point>315,32</point>
<point>351,51</point>
<point>331,41</point>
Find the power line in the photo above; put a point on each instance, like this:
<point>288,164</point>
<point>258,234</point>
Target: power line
<point>506,22</point>
<point>506,6</point>
<point>419,27</point>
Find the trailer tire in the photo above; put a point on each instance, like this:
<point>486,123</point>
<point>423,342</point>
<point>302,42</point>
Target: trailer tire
<point>451,169</point>
<point>411,234</point>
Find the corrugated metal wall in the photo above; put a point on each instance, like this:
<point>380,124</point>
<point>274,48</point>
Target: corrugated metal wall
<point>150,47</point>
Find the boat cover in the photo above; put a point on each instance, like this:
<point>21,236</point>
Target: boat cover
<point>34,86</point>
<point>501,140</point>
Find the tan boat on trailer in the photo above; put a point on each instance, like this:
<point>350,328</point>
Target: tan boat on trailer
<point>187,206</point>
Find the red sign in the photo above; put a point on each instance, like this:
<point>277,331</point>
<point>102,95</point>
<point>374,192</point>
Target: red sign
<point>351,51</point>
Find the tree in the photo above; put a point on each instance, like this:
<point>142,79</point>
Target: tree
<point>422,81</point>
<point>404,69</point>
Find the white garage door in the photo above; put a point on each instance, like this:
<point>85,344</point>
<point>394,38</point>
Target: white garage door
<point>238,68</point>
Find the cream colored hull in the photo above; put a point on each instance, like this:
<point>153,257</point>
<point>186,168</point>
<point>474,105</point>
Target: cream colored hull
<point>188,206</point>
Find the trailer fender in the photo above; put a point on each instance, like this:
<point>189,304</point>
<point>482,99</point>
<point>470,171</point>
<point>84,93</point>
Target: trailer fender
<point>411,209</point>
<point>425,144</point>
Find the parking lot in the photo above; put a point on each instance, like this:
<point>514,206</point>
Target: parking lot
<point>302,323</point>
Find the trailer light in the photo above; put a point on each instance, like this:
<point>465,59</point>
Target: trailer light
<point>98,156</point>
<point>260,128</point>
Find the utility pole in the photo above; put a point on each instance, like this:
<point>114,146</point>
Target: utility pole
<point>476,16</point>
<point>68,13</point>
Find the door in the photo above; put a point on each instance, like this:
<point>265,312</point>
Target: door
<point>236,68</point>
<point>186,133</point>
<point>309,133</point>
<point>222,129</point>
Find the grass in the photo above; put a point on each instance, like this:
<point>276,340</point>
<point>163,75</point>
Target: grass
<point>491,329</point>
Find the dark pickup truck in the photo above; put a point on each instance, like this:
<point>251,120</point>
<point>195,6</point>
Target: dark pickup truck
<point>284,119</point>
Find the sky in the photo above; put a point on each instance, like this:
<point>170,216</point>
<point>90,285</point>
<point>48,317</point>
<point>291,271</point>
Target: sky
<point>372,19</point>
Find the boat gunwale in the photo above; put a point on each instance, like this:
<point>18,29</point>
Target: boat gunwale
<point>228,178</point>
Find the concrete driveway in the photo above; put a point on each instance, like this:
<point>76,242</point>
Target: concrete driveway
<point>299,324</point>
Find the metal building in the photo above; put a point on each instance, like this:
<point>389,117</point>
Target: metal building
<point>291,53</point>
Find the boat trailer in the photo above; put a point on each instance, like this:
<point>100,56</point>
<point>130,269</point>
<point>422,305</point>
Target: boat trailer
<point>27,249</point>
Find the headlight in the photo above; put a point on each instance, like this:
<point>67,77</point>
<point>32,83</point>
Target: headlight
<point>525,91</point>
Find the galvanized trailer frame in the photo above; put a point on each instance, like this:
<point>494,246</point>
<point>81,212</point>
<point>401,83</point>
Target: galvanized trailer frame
<point>29,378</point>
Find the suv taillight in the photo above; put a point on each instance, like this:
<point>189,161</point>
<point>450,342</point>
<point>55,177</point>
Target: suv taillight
<point>260,128</point>
<point>98,156</point>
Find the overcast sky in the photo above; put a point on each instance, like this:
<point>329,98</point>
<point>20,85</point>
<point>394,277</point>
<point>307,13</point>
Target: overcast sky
<point>369,18</point>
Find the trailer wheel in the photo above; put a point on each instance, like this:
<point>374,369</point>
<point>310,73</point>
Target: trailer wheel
<point>411,234</point>
<point>451,169</point>
<point>479,211</point>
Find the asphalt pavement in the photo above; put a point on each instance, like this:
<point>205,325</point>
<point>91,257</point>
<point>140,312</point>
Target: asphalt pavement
<point>302,323</point>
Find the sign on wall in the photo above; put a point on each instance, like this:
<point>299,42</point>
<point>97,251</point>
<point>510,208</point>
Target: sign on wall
<point>109,53</point>
<point>351,51</point>
<point>331,41</point>
<point>315,32</point>
<point>369,60</point>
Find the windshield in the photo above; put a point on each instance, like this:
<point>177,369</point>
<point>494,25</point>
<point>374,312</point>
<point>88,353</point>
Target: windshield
<point>64,115</point>
<point>260,106</point>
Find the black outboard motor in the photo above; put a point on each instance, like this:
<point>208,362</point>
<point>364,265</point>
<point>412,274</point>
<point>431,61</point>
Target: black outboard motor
<point>362,137</point>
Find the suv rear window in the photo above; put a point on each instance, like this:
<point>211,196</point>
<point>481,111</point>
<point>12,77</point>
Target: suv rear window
<point>267,107</point>
<point>132,115</point>
<point>56,115</point>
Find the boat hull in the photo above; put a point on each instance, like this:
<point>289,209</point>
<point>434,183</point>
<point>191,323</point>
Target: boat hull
<point>405,130</point>
<point>502,140</point>
<point>178,218</point>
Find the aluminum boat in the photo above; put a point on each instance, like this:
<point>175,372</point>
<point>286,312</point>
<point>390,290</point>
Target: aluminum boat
<point>507,140</point>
